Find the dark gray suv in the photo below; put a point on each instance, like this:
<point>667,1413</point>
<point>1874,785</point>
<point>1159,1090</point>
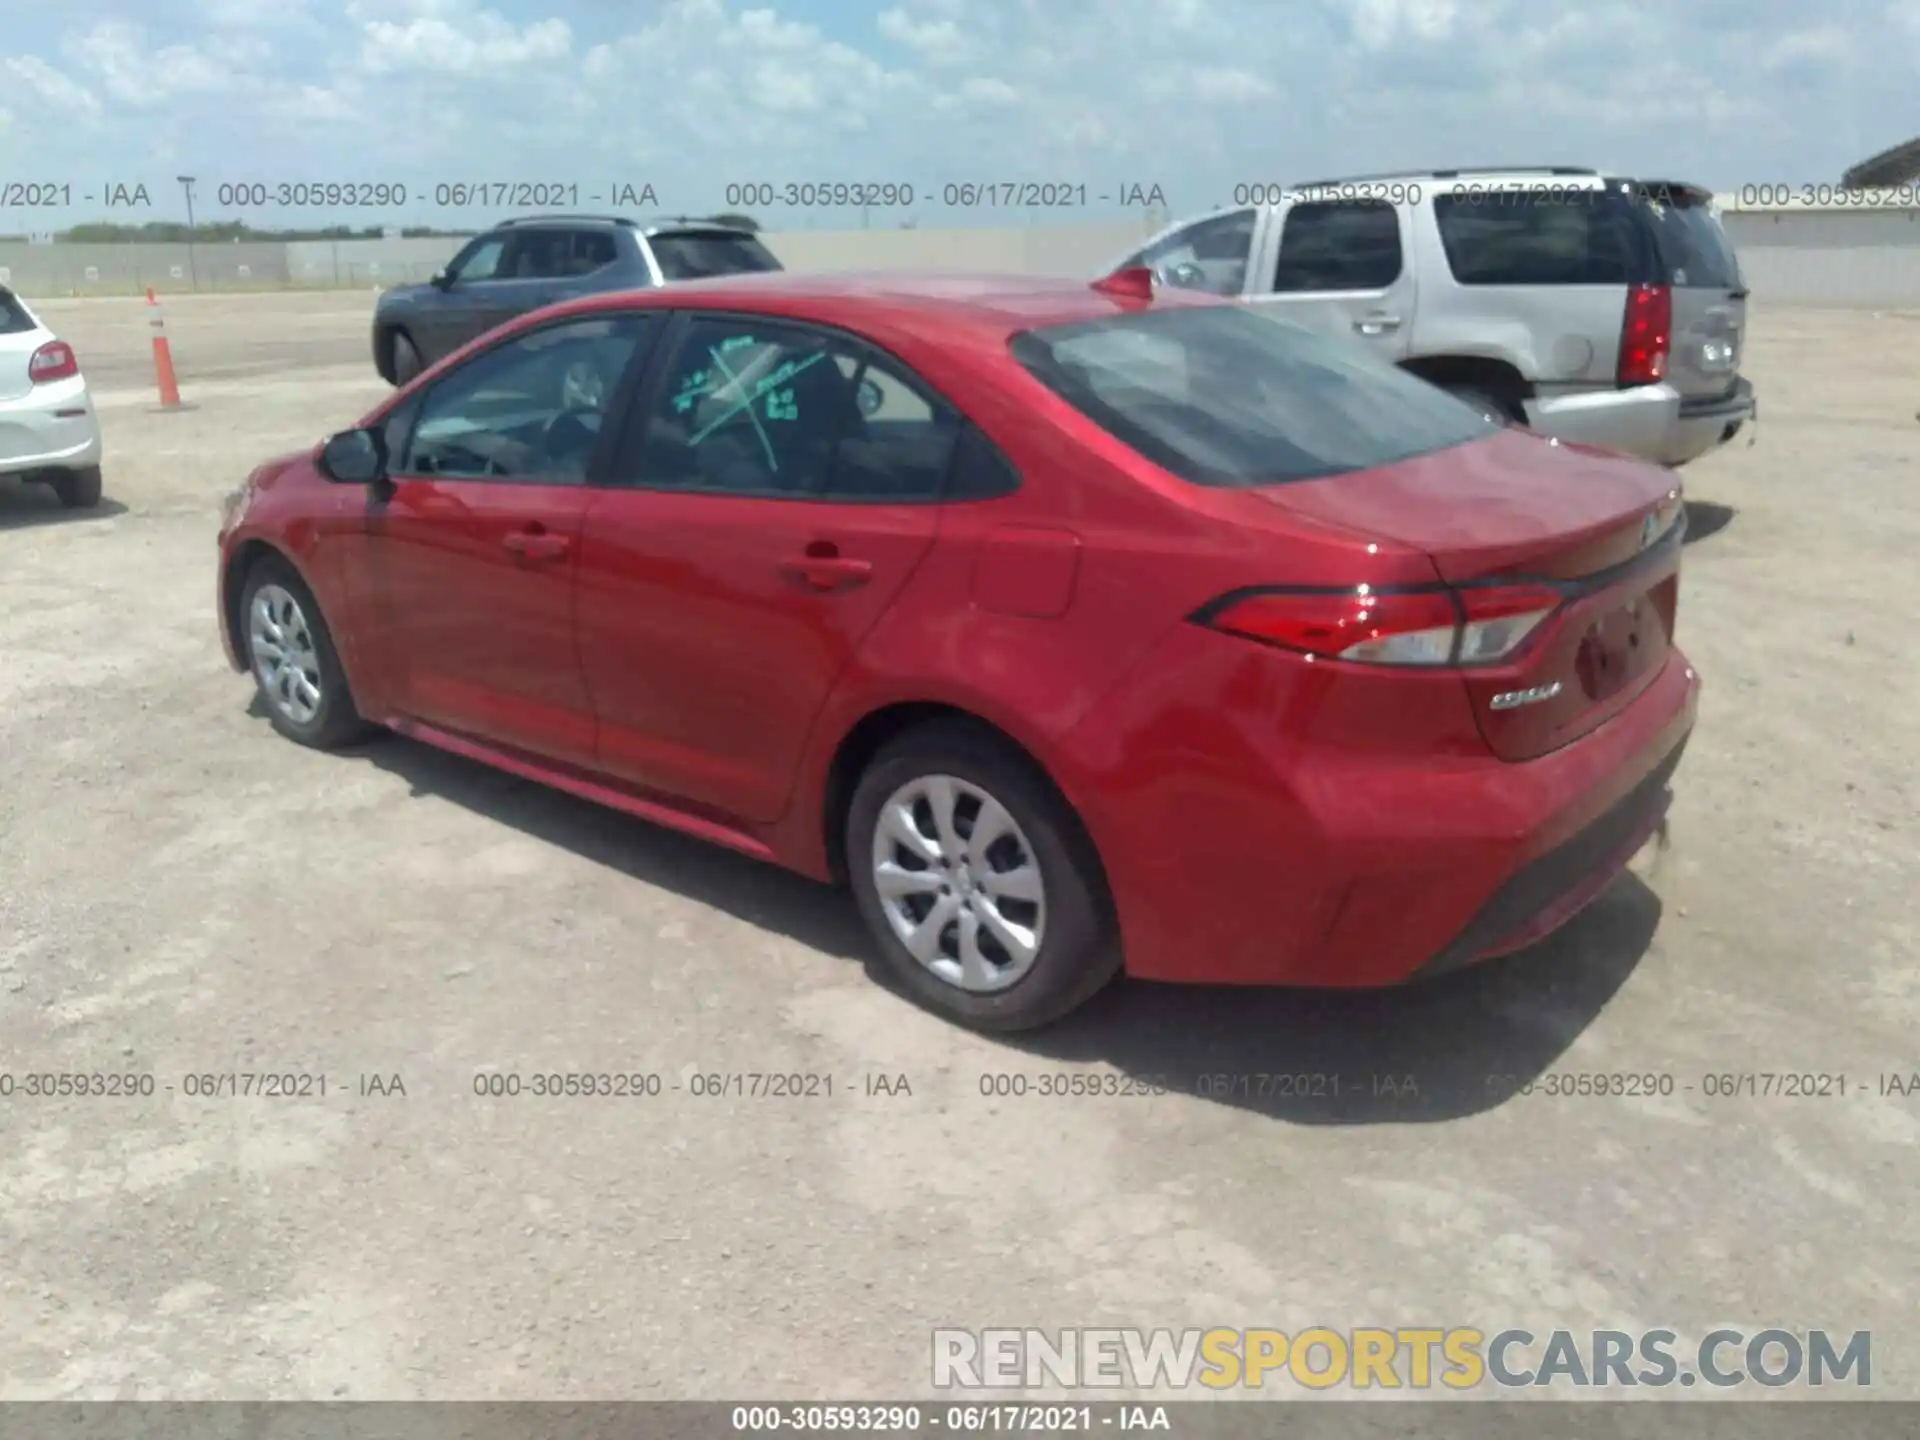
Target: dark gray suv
<point>521,265</point>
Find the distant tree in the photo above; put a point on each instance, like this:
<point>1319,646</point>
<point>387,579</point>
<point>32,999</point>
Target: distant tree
<point>739,222</point>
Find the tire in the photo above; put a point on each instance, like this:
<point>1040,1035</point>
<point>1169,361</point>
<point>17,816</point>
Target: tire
<point>328,722</point>
<point>78,489</point>
<point>1487,403</point>
<point>1078,949</point>
<point>406,359</point>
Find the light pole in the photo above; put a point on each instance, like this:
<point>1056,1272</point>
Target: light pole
<point>193,267</point>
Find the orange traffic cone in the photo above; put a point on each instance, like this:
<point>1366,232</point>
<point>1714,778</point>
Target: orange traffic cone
<point>162,354</point>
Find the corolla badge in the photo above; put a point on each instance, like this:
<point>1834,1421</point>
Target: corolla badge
<point>1514,699</point>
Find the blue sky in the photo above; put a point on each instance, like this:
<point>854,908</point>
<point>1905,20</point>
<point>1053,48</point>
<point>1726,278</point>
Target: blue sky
<point>689,96</point>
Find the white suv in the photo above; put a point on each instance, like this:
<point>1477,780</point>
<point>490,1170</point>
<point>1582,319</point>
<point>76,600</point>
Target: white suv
<point>1595,308</point>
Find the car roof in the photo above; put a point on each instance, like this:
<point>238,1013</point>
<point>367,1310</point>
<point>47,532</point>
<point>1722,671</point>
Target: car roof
<point>989,305</point>
<point>677,225</point>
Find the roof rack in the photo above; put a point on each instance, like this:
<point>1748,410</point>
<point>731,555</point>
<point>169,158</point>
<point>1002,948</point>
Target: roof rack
<point>1451,173</point>
<point>545,219</point>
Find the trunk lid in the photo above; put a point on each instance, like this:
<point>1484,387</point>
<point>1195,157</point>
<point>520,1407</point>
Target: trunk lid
<point>20,336</point>
<point>1601,531</point>
<point>1709,297</point>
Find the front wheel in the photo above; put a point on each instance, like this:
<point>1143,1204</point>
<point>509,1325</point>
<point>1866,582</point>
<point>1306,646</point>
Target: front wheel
<point>294,665</point>
<point>982,892</point>
<point>406,359</point>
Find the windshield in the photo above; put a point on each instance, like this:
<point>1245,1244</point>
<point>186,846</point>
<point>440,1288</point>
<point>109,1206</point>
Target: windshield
<point>1225,396</point>
<point>14,318</point>
<point>1693,246</point>
<point>696,257</point>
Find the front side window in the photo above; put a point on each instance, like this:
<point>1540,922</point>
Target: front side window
<point>480,260</point>
<point>781,410</point>
<point>1209,255</point>
<point>528,410</point>
<point>1220,395</point>
<point>1347,245</point>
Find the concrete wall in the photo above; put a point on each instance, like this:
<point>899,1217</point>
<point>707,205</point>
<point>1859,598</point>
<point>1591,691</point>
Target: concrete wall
<point>1863,259</point>
<point>52,270</point>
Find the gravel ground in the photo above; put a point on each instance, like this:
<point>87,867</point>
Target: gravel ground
<point>186,894</point>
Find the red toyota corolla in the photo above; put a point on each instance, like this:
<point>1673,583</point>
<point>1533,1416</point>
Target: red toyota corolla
<point>1079,629</point>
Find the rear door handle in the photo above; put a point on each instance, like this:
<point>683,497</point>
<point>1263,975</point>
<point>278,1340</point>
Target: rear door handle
<point>536,545</point>
<point>824,568</point>
<point>1377,324</point>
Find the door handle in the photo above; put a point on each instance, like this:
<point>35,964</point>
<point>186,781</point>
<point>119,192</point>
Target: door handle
<point>536,545</point>
<point>1377,324</point>
<point>824,568</point>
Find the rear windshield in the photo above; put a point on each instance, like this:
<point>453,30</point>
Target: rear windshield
<point>696,257</point>
<point>1567,236</point>
<point>1693,247</point>
<point>13,315</point>
<point>1227,396</point>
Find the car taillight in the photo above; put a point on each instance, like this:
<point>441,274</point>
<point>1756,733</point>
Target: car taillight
<point>1392,627</point>
<point>52,361</point>
<point>1645,335</point>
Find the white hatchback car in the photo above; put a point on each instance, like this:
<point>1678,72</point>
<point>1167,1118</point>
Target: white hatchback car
<point>49,430</point>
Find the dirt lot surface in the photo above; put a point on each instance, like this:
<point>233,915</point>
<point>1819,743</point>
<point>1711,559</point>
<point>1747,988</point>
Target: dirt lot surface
<point>186,894</point>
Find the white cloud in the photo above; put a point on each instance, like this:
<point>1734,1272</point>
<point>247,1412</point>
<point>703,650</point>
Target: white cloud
<point>62,94</point>
<point>940,40</point>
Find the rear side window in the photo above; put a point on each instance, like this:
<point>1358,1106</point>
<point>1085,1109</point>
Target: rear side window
<point>1346,245</point>
<point>695,257</point>
<point>1572,237</point>
<point>1694,250</point>
<point>592,250</point>
<point>1223,396</point>
<point>13,315</point>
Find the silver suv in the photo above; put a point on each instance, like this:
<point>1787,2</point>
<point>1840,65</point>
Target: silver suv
<point>1595,308</point>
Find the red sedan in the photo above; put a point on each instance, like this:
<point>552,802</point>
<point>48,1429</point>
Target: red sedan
<point>1078,629</point>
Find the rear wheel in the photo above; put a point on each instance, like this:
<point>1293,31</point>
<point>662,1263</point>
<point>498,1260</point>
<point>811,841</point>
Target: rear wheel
<point>1495,408</point>
<point>293,662</point>
<point>406,358</point>
<point>983,894</point>
<point>78,489</point>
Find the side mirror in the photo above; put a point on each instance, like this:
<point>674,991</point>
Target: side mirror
<point>354,457</point>
<point>869,398</point>
<point>441,280</point>
<point>1185,276</point>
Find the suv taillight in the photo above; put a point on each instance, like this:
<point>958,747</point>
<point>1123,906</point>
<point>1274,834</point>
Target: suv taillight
<point>1645,335</point>
<point>1405,627</point>
<point>52,361</point>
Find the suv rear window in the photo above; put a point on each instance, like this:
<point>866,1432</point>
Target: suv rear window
<point>1225,396</point>
<point>1520,237</point>
<point>1693,248</point>
<point>695,257</point>
<point>13,315</point>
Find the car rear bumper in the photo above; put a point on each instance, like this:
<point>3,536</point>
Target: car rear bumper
<point>1259,855</point>
<point>1547,892</point>
<point>54,427</point>
<point>1654,422</point>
